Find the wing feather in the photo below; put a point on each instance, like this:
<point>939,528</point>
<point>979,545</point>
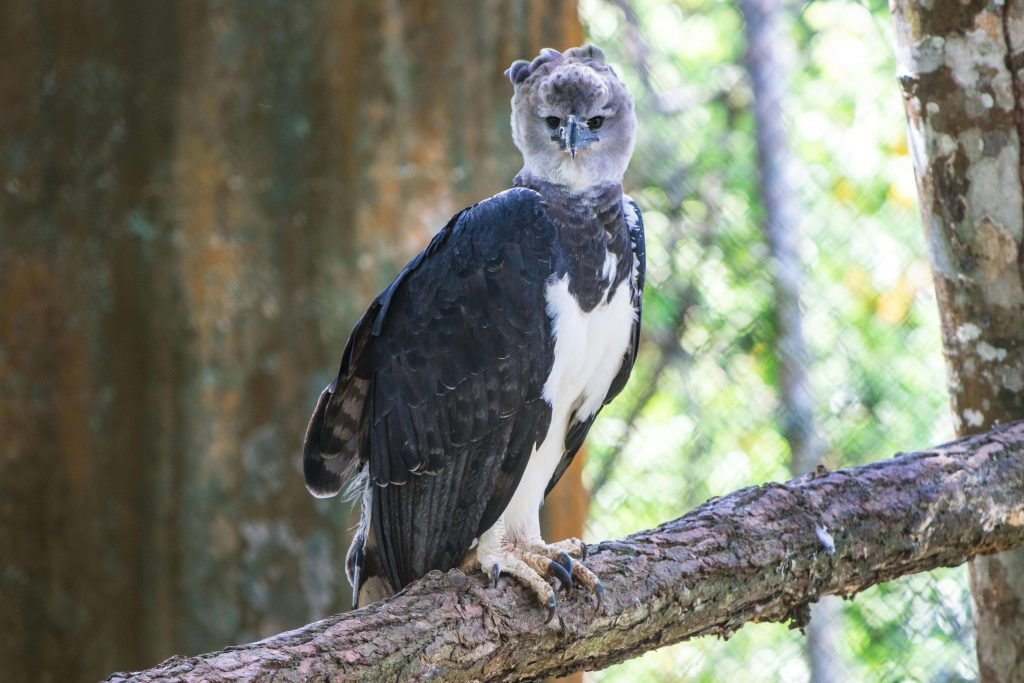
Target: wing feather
<point>443,378</point>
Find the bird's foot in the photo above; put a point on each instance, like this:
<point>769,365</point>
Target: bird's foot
<point>532,562</point>
<point>563,552</point>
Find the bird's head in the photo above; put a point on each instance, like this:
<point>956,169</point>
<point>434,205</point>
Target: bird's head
<point>572,118</point>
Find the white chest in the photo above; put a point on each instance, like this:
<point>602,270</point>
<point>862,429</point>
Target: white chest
<point>589,351</point>
<point>589,347</point>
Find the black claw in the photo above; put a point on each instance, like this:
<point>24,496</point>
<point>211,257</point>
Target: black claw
<point>583,552</point>
<point>566,561</point>
<point>599,592</point>
<point>495,574</point>
<point>552,605</point>
<point>562,574</point>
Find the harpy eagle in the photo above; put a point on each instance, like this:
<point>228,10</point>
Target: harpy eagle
<point>470,383</point>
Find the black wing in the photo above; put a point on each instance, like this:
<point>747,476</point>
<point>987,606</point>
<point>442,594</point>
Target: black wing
<point>440,386</point>
<point>578,429</point>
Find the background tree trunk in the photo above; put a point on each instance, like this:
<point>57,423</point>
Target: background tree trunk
<point>960,70</point>
<point>768,70</point>
<point>196,200</point>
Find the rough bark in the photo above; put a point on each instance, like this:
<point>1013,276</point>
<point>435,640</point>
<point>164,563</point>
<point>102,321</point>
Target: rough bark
<point>196,198</point>
<point>961,74</point>
<point>760,554</point>
<point>767,66</point>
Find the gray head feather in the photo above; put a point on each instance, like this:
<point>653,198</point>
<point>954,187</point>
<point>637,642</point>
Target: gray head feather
<point>557,91</point>
<point>521,69</point>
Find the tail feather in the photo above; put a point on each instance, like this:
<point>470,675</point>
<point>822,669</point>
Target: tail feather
<point>323,476</point>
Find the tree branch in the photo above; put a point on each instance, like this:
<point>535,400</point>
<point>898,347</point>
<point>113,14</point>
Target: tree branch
<point>760,554</point>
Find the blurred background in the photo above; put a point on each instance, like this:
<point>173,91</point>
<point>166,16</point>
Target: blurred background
<point>197,200</point>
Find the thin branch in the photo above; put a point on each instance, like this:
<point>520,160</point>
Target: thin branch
<point>761,554</point>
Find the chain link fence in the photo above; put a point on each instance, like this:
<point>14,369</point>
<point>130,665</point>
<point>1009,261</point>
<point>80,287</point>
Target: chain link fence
<point>712,405</point>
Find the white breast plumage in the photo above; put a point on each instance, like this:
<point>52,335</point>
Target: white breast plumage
<point>589,347</point>
<point>589,351</point>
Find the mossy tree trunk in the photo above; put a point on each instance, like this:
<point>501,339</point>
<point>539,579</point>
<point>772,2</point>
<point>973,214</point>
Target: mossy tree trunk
<point>195,201</point>
<point>960,71</point>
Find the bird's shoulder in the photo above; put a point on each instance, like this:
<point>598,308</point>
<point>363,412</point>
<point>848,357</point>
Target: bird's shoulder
<point>635,225</point>
<point>513,199</point>
<point>481,236</point>
<point>513,215</point>
<point>634,219</point>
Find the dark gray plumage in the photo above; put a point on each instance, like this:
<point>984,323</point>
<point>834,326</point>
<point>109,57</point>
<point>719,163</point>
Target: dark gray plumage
<point>470,383</point>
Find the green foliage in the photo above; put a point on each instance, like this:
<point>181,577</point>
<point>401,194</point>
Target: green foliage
<point>870,318</point>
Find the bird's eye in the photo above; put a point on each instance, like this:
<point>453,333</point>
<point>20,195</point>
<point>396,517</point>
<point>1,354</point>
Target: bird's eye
<point>552,122</point>
<point>595,122</point>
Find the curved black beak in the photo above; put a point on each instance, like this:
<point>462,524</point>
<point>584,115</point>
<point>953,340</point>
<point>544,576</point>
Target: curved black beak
<point>574,134</point>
